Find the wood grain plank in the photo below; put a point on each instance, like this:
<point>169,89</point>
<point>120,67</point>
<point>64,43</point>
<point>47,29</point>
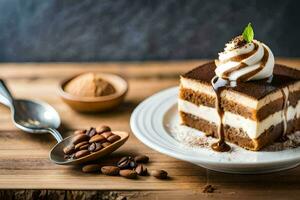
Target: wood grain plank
<point>24,157</point>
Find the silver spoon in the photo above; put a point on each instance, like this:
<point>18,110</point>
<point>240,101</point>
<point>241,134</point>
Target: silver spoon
<point>38,117</point>
<point>31,116</point>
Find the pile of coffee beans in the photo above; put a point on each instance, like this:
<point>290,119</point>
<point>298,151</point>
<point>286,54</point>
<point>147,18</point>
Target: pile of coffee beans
<point>85,142</point>
<point>127,167</point>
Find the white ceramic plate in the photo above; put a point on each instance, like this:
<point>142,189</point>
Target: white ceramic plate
<point>153,123</point>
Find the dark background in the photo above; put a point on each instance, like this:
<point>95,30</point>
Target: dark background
<point>102,30</point>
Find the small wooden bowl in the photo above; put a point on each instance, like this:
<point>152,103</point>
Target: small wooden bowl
<point>96,104</point>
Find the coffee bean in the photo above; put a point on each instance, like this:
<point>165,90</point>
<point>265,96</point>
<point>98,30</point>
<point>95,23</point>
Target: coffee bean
<point>80,138</point>
<point>79,132</point>
<point>126,162</point>
<point>141,159</point>
<point>91,132</point>
<point>106,144</point>
<point>69,149</point>
<point>81,153</point>
<point>97,138</point>
<point>128,173</point>
<point>113,138</point>
<point>84,147</point>
<point>98,146</point>
<point>103,129</point>
<point>91,168</point>
<point>160,174</point>
<point>107,134</point>
<point>110,170</point>
<point>80,144</point>
<point>125,158</point>
<point>123,163</point>
<point>141,170</point>
<point>92,147</point>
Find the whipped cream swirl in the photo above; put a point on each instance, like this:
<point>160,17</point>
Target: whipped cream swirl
<point>242,61</point>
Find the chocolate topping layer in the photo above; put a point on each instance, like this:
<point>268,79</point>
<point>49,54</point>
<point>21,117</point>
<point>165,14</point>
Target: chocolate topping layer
<point>282,76</point>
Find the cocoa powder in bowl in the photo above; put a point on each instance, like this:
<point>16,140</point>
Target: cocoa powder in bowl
<point>89,85</point>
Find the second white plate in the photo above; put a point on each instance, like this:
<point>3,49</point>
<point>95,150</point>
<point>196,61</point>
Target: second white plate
<point>155,123</point>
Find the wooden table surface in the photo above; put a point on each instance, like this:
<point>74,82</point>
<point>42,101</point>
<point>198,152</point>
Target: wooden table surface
<point>26,172</point>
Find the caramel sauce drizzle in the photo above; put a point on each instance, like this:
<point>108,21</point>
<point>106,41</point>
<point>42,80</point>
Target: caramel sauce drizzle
<point>218,86</point>
<point>241,57</point>
<point>263,62</point>
<point>227,73</point>
<point>242,65</point>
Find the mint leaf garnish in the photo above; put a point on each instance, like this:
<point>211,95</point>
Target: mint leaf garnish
<point>248,33</point>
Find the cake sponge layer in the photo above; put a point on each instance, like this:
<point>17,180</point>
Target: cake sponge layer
<point>238,136</point>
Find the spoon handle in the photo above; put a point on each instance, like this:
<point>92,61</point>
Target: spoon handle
<point>55,134</point>
<point>5,96</point>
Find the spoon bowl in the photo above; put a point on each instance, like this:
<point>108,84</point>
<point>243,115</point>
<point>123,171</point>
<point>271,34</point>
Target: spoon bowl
<point>31,116</point>
<point>34,116</point>
<point>57,155</point>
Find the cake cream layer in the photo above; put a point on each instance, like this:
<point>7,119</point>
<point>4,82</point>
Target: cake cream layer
<point>253,128</point>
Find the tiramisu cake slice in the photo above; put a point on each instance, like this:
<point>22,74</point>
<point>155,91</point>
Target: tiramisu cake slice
<point>243,97</point>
